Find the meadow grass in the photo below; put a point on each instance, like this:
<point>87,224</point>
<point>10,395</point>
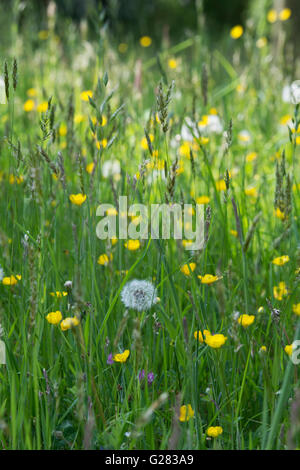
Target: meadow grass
<point>57,389</point>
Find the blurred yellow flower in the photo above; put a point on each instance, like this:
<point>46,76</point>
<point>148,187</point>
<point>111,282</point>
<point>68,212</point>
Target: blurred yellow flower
<point>31,92</point>
<point>186,413</point>
<point>220,185</point>
<point>251,191</point>
<point>236,32</point>
<point>289,349</point>
<point>272,16</point>
<point>145,41</point>
<point>54,317</point>
<point>281,260</point>
<point>63,130</point>
<point>69,322</point>
<point>11,280</point>
<point>285,14</point>
<point>77,199</point>
<point>28,105</point>
<point>84,95</point>
<point>42,107</point>
<point>132,245</point>
<point>251,156</point>
<point>58,294</point>
<point>172,63</point>
<point>296,309</point>
<point>104,259</point>
<point>188,268</point>
<point>280,291</point>
<point>202,200</point>
<point>90,167</point>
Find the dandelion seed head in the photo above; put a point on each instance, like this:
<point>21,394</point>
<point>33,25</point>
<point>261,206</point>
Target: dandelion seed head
<point>139,295</point>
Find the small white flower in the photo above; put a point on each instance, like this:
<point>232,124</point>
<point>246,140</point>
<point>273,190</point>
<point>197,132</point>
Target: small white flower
<point>68,284</point>
<point>139,295</point>
<point>111,168</point>
<point>291,93</point>
<point>188,129</point>
<point>1,274</point>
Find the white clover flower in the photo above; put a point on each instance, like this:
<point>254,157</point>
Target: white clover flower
<point>187,130</point>
<point>291,93</point>
<point>111,168</point>
<point>139,295</point>
<point>211,125</point>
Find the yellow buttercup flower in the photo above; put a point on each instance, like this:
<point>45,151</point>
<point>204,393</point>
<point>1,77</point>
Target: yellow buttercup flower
<point>188,268</point>
<point>31,92</point>
<point>251,156</point>
<point>296,309</point>
<point>77,199</point>
<point>272,16</point>
<point>42,107</point>
<point>28,105</point>
<point>201,336</point>
<point>280,291</point>
<point>285,119</point>
<point>220,185</point>
<point>90,167</point>
<point>69,322</point>
<point>101,144</point>
<point>214,431</point>
<point>209,278</point>
<point>234,233</point>
<point>285,14</point>
<point>251,191</point>
<point>84,95</point>
<point>132,245</point>
<point>246,320</point>
<point>236,32</point>
<point>289,349</point>
<point>145,41</point>
<point>54,317</point>
<point>215,341</point>
<point>172,63</point>
<point>11,280</point>
<point>186,413</point>
<point>104,259</point>
<point>144,143</point>
<point>122,357</point>
<point>263,349</point>
<point>203,200</point>
<point>63,130</point>
<point>279,214</point>
<point>281,260</point>
<point>58,294</point>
